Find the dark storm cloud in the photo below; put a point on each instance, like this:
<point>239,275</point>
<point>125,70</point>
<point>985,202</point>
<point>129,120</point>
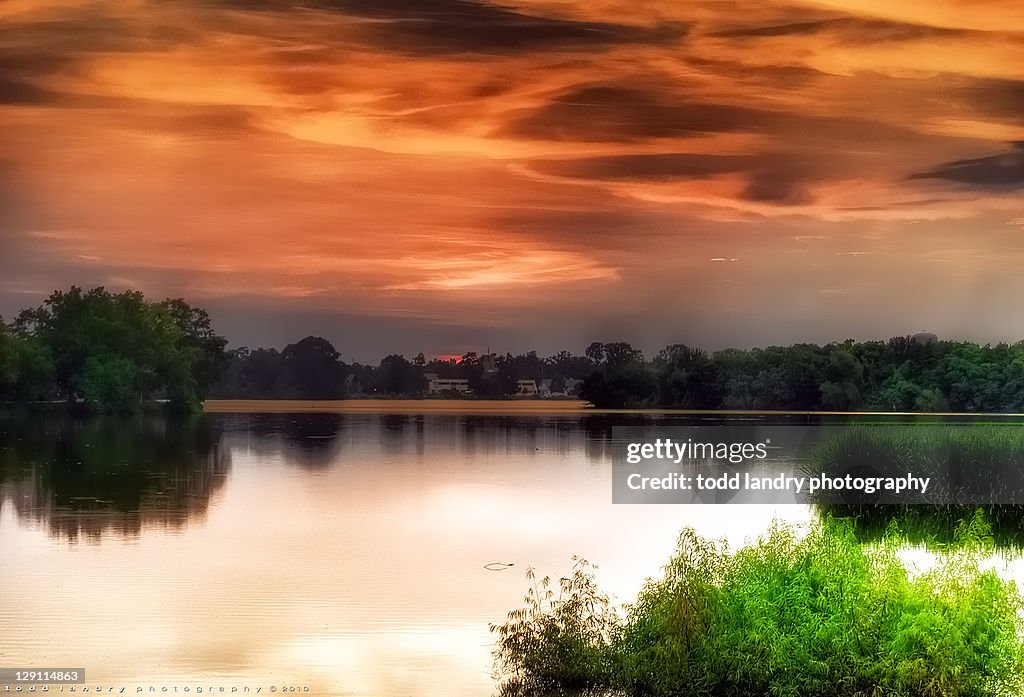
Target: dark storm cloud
<point>775,178</point>
<point>29,61</point>
<point>855,29</point>
<point>774,76</point>
<point>624,113</point>
<point>1003,171</point>
<point>22,92</point>
<point>897,204</point>
<point>224,121</point>
<point>652,109</point>
<point>614,229</point>
<point>32,50</point>
<point>464,26</point>
<point>646,167</point>
<point>995,97</point>
<point>22,67</point>
<point>779,188</point>
<point>48,43</point>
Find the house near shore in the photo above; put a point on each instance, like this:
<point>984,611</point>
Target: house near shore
<point>439,385</point>
<point>572,387</point>
<point>526,388</point>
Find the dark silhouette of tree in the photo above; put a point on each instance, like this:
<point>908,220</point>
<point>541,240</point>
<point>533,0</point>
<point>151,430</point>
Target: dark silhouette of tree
<point>113,351</point>
<point>314,369</point>
<point>687,378</point>
<point>397,376</point>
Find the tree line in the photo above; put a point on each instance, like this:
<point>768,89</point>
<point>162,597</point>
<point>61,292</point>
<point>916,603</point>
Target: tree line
<point>117,351</point>
<point>899,374</point>
<point>312,369</point>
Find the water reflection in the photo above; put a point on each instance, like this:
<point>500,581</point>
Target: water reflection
<point>83,477</point>
<point>342,551</point>
<point>321,440</point>
<point>309,441</point>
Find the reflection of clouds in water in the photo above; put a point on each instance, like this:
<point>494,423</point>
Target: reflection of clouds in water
<point>404,654</point>
<point>347,552</point>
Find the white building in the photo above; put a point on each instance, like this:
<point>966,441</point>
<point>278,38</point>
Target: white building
<point>437,385</point>
<point>526,388</point>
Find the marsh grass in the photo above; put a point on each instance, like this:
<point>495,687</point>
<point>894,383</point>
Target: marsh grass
<point>801,612</point>
<point>982,464</point>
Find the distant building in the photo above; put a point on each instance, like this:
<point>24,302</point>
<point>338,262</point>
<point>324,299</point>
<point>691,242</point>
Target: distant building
<point>572,387</point>
<point>924,338</point>
<point>352,384</point>
<point>526,387</point>
<point>439,385</point>
<point>489,362</point>
<point>544,389</point>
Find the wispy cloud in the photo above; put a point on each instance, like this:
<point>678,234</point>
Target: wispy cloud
<point>561,159</point>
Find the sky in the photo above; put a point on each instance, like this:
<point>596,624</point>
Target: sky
<point>454,175</point>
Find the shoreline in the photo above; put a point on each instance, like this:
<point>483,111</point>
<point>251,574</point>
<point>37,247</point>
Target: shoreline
<point>396,406</point>
<point>519,406</point>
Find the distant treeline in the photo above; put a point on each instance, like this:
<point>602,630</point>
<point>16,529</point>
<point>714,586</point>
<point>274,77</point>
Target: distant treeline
<point>900,374</point>
<point>117,351</point>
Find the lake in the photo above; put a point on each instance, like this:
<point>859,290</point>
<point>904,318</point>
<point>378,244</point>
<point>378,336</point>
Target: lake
<point>340,552</point>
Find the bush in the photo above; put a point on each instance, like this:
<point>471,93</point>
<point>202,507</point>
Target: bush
<point>799,615</point>
<point>558,642</point>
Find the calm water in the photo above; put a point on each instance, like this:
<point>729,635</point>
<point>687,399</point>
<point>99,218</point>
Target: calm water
<point>342,552</point>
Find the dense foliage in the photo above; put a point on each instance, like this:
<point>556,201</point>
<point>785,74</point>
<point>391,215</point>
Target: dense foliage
<point>313,369</point>
<point>114,350</point>
<point>901,374</point>
<point>109,351</point>
<point>791,615</point>
<point>983,462</point>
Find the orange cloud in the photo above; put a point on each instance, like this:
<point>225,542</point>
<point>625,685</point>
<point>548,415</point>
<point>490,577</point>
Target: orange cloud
<point>550,158</point>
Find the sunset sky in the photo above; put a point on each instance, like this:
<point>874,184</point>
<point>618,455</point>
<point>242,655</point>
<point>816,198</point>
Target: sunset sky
<point>448,175</point>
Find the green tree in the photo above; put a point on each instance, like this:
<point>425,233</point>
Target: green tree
<point>687,378</point>
<point>94,342</point>
<point>620,379</point>
<point>841,389</point>
<point>110,382</point>
<point>200,348</point>
<point>35,370</point>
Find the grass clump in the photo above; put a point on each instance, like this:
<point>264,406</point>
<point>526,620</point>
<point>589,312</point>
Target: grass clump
<point>981,466</point>
<point>793,614</point>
